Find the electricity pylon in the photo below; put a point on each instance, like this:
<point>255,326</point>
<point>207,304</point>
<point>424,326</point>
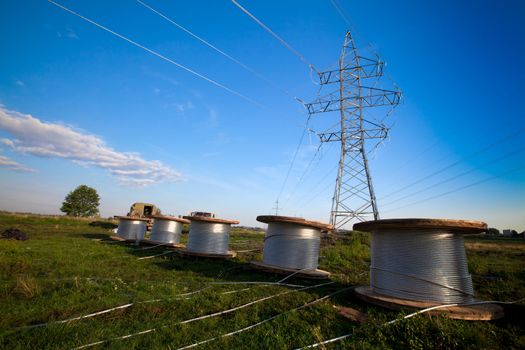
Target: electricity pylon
<point>356,79</point>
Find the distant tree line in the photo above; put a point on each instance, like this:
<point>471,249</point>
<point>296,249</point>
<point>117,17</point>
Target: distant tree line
<point>495,232</point>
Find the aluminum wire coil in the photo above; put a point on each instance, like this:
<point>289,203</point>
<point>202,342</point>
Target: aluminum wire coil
<point>166,231</point>
<point>423,266</point>
<point>209,238</point>
<point>131,229</point>
<point>291,246</point>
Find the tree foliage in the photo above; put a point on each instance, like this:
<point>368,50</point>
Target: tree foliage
<point>493,231</point>
<point>82,201</point>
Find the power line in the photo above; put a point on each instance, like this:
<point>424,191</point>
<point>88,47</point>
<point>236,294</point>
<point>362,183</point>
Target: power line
<point>303,203</point>
<point>238,94</point>
<point>341,12</point>
<point>461,188</point>
<point>453,164</point>
<point>293,159</point>
<point>510,154</point>
<point>284,43</point>
<point>303,175</point>
<point>233,59</point>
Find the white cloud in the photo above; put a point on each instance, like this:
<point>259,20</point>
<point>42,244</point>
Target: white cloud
<point>42,139</point>
<point>185,106</point>
<point>11,164</point>
<point>20,83</point>
<point>213,119</point>
<point>70,33</point>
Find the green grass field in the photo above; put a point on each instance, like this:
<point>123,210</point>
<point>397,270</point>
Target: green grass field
<point>69,268</point>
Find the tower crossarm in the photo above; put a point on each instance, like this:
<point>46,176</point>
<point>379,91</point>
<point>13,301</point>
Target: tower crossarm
<point>380,133</point>
<point>368,97</point>
<point>367,69</point>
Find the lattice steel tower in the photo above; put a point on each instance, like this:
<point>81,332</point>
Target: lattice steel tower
<point>356,80</point>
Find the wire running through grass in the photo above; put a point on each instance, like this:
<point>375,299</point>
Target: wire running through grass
<point>154,256</point>
<point>412,315</point>
<point>125,306</point>
<point>152,247</point>
<point>264,321</point>
<point>219,313</point>
<point>120,307</point>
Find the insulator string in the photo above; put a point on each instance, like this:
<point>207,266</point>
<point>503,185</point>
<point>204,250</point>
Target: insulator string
<point>291,246</point>
<point>166,231</point>
<point>423,265</point>
<point>209,238</point>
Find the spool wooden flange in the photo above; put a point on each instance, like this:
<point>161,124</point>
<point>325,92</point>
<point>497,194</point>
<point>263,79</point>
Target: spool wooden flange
<point>456,226</point>
<point>312,274</point>
<point>298,221</point>
<point>484,312</point>
<point>130,218</point>
<point>170,218</point>
<point>186,252</point>
<point>167,245</point>
<point>211,220</point>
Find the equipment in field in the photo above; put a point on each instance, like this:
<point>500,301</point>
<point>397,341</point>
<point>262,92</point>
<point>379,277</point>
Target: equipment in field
<point>421,263</point>
<point>144,210</point>
<point>202,214</point>
<point>209,237</point>
<point>291,245</point>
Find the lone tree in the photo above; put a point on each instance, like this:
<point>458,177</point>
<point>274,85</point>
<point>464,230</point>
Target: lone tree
<point>82,201</point>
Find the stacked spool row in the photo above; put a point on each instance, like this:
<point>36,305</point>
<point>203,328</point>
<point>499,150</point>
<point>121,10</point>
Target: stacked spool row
<point>421,260</point>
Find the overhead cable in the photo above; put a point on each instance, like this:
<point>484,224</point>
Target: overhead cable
<point>453,164</point>
<point>233,59</point>
<point>304,203</point>
<point>303,175</point>
<point>505,156</point>
<point>305,129</point>
<point>284,43</point>
<point>238,94</point>
<point>461,188</point>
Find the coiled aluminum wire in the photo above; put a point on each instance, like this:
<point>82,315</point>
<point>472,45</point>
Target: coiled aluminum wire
<point>291,246</point>
<point>166,231</point>
<point>423,266</point>
<point>131,229</point>
<point>208,237</point>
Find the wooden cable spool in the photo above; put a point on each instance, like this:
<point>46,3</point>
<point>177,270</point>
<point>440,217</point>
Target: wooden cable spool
<point>291,246</point>
<point>421,263</point>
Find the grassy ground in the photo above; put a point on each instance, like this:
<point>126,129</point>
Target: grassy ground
<point>68,268</point>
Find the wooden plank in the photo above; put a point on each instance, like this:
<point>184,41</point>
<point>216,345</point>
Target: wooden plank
<point>120,239</point>
<point>351,314</point>
<point>168,245</point>
<point>485,312</point>
<point>185,252</point>
<point>313,274</point>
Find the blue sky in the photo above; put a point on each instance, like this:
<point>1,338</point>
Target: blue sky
<point>82,106</point>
